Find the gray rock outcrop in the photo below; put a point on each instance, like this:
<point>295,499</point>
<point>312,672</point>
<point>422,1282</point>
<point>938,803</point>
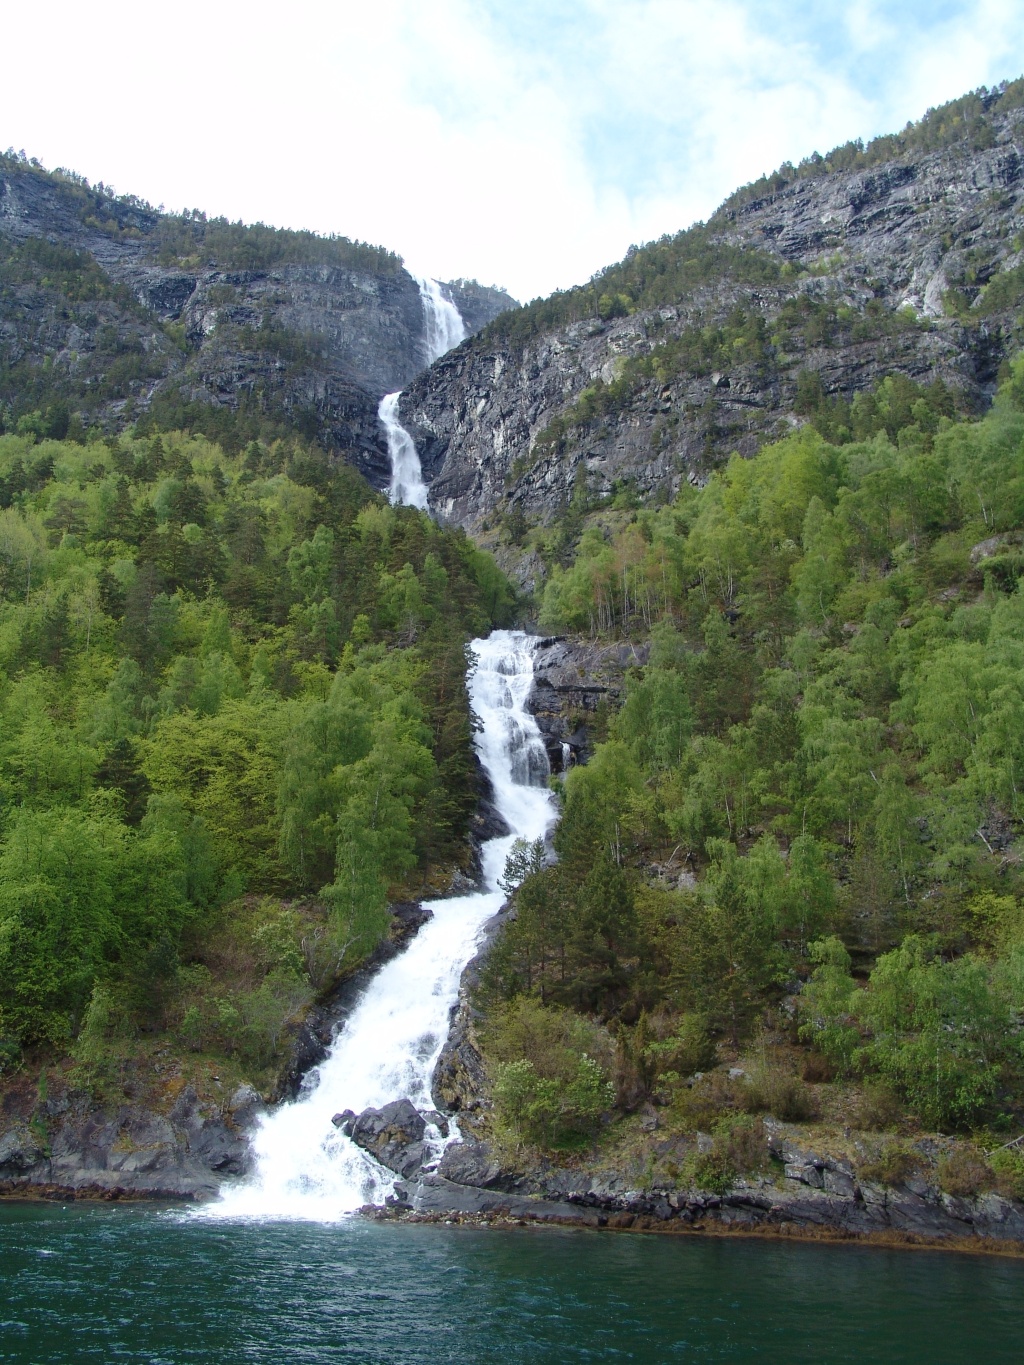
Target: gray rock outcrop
<point>818,1193</point>
<point>309,334</point>
<point>897,257</point>
<point>72,1148</point>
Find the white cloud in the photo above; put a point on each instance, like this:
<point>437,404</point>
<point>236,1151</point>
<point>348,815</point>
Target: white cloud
<point>526,145</point>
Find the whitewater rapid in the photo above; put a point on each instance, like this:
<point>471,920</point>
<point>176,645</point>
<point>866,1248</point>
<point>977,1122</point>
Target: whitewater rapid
<point>443,329</point>
<point>305,1168</point>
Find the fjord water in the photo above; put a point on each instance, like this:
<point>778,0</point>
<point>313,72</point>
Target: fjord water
<point>307,1168</point>
<point>443,328</point>
<point>136,1285</point>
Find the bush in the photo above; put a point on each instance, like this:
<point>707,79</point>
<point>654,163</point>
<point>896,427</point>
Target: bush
<point>964,1172</point>
<point>817,1070</point>
<point>771,1089</point>
<point>701,1105</point>
<point>738,1147</point>
<point>892,1164</point>
<point>659,1052</point>
<point>1007,1165</point>
<point>551,1112</point>
<point>550,1088</point>
<point>711,1171</point>
<point>879,1107</point>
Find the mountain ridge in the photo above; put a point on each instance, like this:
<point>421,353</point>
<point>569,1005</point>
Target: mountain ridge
<point>799,292</point>
<point>111,310</point>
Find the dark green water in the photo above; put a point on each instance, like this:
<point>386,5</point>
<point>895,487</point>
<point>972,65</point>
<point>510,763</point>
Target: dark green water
<point>138,1285</point>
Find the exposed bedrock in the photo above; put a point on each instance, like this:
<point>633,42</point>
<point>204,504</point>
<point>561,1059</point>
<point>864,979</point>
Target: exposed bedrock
<point>922,234</point>
<point>573,680</point>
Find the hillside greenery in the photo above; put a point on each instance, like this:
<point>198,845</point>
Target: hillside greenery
<point>805,814</point>
<point>233,723</point>
<point>190,237</point>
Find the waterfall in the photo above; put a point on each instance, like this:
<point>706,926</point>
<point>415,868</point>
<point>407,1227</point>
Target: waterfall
<point>443,328</point>
<point>407,484</point>
<point>387,1050</point>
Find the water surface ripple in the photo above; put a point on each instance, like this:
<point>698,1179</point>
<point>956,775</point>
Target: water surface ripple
<point>141,1285</point>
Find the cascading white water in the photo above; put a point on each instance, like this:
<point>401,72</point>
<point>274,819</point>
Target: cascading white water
<point>305,1167</point>
<point>443,328</point>
<point>407,486</point>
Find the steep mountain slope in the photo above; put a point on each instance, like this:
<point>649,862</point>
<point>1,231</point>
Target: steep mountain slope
<point>109,309</point>
<point>903,257</point>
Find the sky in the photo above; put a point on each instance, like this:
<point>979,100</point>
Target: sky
<point>525,143</point>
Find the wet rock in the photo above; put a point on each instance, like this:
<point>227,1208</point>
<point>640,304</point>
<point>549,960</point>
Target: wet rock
<point>344,1121</point>
<point>313,1037</point>
<point>20,1151</point>
<point>472,1163</point>
<point>439,1121</point>
<point>393,1134</point>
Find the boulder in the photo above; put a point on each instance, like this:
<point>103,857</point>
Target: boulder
<point>394,1135</point>
<point>471,1163</point>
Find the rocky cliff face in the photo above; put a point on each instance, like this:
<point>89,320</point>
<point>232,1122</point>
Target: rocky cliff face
<point>910,267</point>
<point>108,307</point>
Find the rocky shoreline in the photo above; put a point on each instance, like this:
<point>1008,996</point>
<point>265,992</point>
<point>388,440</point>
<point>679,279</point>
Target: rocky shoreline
<point>66,1145</point>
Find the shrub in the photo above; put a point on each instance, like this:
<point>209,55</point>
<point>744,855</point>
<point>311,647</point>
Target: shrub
<point>738,1146</point>
<point>711,1171</point>
<point>879,1106</point>
<point>772,1089</point>
<point>892,1164</point>
<point>551,1112</point>
<point>701,1105</point>
<point>743,1141</point>
<point>549,1086</point>
<point>817,1070</point>
<point>659,1053</point>
<point>964,1172</point>
<point>1007,1165</point>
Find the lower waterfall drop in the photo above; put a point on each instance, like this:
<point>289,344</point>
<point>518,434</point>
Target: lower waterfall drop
<point>407,486</point>
<point>388,1048</point>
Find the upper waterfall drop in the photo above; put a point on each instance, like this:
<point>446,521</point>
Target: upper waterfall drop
<point>443,329</point>
<point>387,1050</point>
<point>443,321</point>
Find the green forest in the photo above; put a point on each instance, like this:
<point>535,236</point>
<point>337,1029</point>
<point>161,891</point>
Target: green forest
<point>796,840</point>
<point>233,724</point>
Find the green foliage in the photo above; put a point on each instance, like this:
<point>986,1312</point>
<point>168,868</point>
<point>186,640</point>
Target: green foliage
<point>555,1111</point>
<point>549,1089</point>
<point>964,1173</point>
<point>659,273</point>
<point>219,673</point>
<point>738,1146</point>
<point>891,1164</point>
<point>828,1006</point>
<point>939,1032</point>
<point>829,728</point>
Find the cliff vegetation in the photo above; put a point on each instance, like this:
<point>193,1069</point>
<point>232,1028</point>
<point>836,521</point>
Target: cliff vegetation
<point>788,881</point>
